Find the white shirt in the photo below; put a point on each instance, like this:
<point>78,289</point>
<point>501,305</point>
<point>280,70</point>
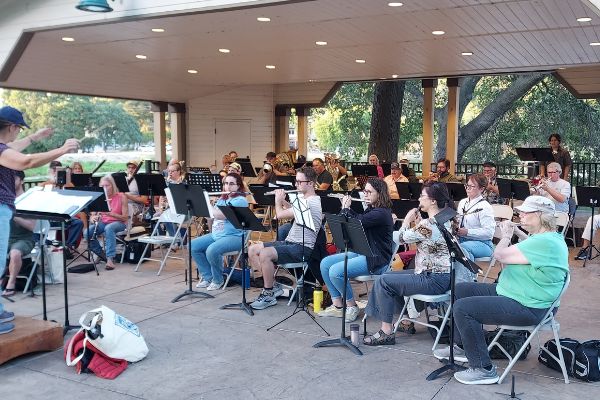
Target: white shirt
<point>564,188</point>
<point>480,225</point>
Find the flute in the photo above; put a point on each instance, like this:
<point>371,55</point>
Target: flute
<point>272,193</point>
<point>341,196</point>
<point>222,193</point>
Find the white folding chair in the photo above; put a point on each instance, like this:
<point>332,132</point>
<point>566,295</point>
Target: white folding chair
<point>41,228</point>
<point>548,323</point>
<point>237,255</point>
<point>162,241</point>
<point>501,212</point>
<point>562,221</point>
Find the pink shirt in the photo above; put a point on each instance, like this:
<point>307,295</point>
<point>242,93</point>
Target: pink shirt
<point>116,205</point>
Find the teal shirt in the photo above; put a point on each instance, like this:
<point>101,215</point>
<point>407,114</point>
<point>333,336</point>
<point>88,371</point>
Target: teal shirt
<point>538,283</point>
<point>228,229</point>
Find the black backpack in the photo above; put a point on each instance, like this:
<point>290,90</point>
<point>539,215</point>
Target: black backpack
<point>512,341</point>
<point>587,361</point>
<point>569,348</point>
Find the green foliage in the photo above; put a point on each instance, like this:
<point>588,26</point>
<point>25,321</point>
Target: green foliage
<point>95,121</point>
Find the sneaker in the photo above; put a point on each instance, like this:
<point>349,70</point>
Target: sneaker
<point>583,254</point>
<point>203,284</point>
<point>6,328</point>
<point>264,300</point>
<point>352,313</point>
<point>331,311</point>
<point>444,354</point>
<point>477,376</point>
<point>277,289</point>
<point>215,286</point>
<point>7,316</point>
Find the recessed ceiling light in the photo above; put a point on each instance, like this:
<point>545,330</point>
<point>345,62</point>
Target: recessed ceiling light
<point>437,33</point>
<point>321,43</point>
<point>192,71</point>
<point>467,53</point>
<point>141,56</point>
<point>561,68</point>
<point>394,76</point>
<point>395,4</point>
<point>584,19</point>
<point>158,30</point>
<point>311,80</point>
<point>263,19</point>
<point>67,39</point>
<point>595,44</point>
<point>269,66</point>
<point>224,50</point>
<point>359,61</point>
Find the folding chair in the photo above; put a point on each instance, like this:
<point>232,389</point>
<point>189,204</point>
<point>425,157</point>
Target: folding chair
<point>156,239</point>
<point>124,236</point>
<point>501,212</point>
<point>549,322</point>
<point>236,258</point>
<point>562,221</point>
<point>41,228</point>
<point>572,212</point>
<point>370,278</point>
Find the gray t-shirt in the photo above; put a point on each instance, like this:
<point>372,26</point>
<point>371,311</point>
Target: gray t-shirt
<point>564,188</point>
<point>310,237</point>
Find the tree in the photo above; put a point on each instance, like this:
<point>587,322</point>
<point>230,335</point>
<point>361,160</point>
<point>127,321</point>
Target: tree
<point>385,119</point>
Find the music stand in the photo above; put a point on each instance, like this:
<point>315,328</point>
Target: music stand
<point>403,189</point>
<point>120,180</point>
<point>364,170</point>
<point>348,234</point>
<point>247,169</point>
<point>190,200</point>
<point>457,191</point>
<point>59,206</point>
<point>199,170</point>
<point>589,195</point>
<point>291,179</point>
<point>513,189</point>
<point>242,218</point>
<point>402,207</point>
<point>330,204</point>
<point>456,255</point>
<point>387,169</point>
<point>302,217</point>
<point>537,155</point>
<point>151,185</point>
<point>209,182</point>
<point>81,180</point>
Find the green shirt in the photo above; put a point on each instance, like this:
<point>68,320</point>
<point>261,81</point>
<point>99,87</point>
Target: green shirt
<point>538,283</point>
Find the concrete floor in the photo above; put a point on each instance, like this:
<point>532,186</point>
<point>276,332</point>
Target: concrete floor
<point>199,351</point>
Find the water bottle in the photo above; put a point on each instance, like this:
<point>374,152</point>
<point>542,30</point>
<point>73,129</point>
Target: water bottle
<point>317,299</point>
<point>354,334</point>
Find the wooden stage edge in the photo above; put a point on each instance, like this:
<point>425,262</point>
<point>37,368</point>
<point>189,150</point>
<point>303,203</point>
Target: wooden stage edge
<point>30,335</point>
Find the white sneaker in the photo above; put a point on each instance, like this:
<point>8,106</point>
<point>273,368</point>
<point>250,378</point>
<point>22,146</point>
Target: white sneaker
<point>215,286</point>
<point>203,284</point>
<point>331,311</point>
<point>352,313</point>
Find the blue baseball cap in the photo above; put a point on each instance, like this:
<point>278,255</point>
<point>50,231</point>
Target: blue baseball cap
<point>13,116</point>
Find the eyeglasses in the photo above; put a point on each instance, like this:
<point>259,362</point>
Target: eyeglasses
<point>229,183</point>
<point>367,191</point>
<point>553,172</point>
<point>471,186</point>
<point>297,182</point>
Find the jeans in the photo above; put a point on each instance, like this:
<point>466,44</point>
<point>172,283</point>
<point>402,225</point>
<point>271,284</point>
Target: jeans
<point>478,304</point>
<point>5,215</point>
<point>477,248</point>
<point>110,237</point>
<point>332,269</point>
<point>74,232</point>
<point>208,255</point>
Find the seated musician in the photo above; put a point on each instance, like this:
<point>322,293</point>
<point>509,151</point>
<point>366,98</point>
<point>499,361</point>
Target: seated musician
<point>278,167</point>
<point>134,198</point>
<point>208,249</point>
<point>225,161</point>
<point>374,160</point>
<point>297,245</point>
<point>324,178</point>
<point>76,168</point>
<point>110,223</point>
<point>476,220</point>
<point>442,172</point>
<point>407,171</point>
<point>378,226</point>
<point>432,265</point>
<point>555,188</point>
<point>491,192</point>
<point>391,179</point>
<point>175,176</point>
<point>337,171</point>
<point>533,277</point>
<point>20,240</point>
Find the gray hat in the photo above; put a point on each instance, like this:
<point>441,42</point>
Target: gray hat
<point>537,203</point>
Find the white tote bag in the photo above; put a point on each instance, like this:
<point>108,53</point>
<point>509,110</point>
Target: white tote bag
<point>117,337</point>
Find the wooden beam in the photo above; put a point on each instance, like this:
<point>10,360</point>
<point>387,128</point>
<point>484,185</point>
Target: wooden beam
<point>282,129</point>
<point>160,138</point>
<point>452,126</point>
<point>429,86</point>
<point>302,134</point>
<point>177,116</point>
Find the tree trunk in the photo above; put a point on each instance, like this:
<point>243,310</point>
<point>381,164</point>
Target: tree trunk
<point>385,119</point>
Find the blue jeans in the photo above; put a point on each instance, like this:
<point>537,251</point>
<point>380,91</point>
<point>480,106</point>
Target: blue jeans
<point>208,255</point>
<point>477,248</point>
<point>74,232</point>
<point>5,216</point>
<point>110,237</point>
<point>332,269</point>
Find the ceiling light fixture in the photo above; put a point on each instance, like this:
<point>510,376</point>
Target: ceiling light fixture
<point>584,19</point>
<point>438,33</point>
<point>94,6</point>
<point>394,76</point>
<point>395,4</point>
<point>263,19</point>
<point>224,50</point>
<point>359,61</point>
<point>269,66</point>
<point>467,53</point>
<point>67,39</point>
<point>141,56</point>
<point>321,43</point>
<point>192,71</point>
<point>158,30</point>
<point>595,44</point>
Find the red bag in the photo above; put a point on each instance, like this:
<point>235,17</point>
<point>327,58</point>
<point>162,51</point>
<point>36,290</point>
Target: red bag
<point>99,363</point>
<point>330,248</point>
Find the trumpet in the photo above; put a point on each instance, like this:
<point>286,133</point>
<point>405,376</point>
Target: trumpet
<point>272,192</point>
<point>341,196</point>
<point>537,182</point>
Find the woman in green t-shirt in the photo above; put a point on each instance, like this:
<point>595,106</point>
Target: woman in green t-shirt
<point>532,279</point>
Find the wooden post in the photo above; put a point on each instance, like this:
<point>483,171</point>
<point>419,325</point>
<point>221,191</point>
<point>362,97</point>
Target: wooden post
<point>160,132</point>
<point>282,129</point>
<point>429,86</point>
<point>302,133</point>
<point>452,126</point>
<point>177,115</point>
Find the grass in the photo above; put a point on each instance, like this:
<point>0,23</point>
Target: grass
<point>88,166</point>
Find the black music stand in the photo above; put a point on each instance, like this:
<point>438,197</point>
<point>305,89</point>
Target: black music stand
<point>348,233</point>
<point>150,185</point>
<point>387,169</point>
<point>120,180</point>
<point>81,180</point>
<point>402,207</point>
<point>456,190</point>
<point>303,217</point>
<point>589,195</point>
<point>209,182</point>
<point>513,189</point>
<point>192,201</point>
<point>330,204</point>
<point>364,170</point>
<point>199,170</point>
<point>456,255</point>
<point>59,206</point>
<point>409,190</point>
<point>242,218</point>
<point>537,155</point>
<point>247,169</point>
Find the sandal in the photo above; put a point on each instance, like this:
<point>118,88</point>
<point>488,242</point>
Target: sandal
<point>109,267</point>
<point>407,328</point>
<point>380,339</point>
<point>9,292</point>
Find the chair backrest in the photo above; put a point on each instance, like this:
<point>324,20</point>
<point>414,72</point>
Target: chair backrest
<point>172,217</point>
<point>396,245</point>
<point>556,302</point>
<point>502,211</point>
<point>572,207</point>
<point>562,220</point>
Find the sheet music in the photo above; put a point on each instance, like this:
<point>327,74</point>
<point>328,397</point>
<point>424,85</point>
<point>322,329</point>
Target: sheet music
<point>210,207</point>
<point>301,211</point>
<point>38,200</point>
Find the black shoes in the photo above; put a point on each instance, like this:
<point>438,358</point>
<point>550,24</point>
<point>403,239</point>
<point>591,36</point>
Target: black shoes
<point>583,254</point>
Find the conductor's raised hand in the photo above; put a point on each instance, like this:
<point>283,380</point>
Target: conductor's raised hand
<point>42,134</point>
<point>71,146</point>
